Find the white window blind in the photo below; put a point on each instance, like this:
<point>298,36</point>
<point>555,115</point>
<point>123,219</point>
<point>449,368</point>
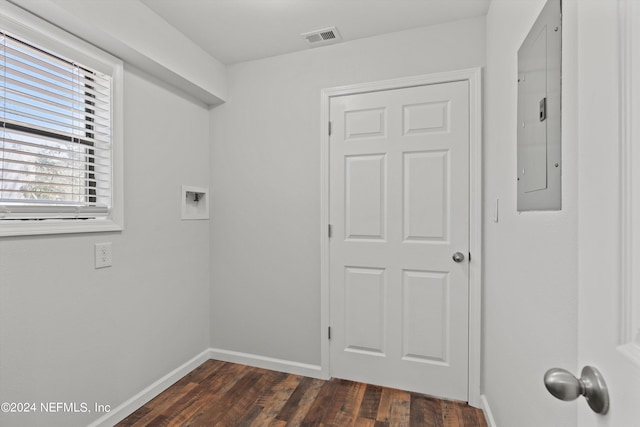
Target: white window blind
<point>55,135</point>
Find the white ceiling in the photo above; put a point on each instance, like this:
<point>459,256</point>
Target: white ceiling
<point>242,30</point>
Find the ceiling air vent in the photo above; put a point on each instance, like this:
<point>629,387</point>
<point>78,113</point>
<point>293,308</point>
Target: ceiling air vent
<point>322,37</point>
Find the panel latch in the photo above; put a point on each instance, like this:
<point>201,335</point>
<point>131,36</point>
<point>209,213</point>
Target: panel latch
<point>543,109</point>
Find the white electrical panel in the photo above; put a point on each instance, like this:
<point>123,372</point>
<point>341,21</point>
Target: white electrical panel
<point>539,113</point>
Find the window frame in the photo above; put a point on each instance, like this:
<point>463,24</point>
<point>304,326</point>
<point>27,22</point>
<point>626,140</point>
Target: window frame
<point>39,32</point>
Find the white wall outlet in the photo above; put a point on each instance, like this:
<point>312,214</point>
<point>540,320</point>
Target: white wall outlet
<point>103,255</point>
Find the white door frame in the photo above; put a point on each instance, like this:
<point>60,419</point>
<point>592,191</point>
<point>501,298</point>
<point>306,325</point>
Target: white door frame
<point>628,20</point>
<point>473,76</point>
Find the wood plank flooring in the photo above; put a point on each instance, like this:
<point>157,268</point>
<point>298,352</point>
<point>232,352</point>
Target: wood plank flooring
<point>226,394</point>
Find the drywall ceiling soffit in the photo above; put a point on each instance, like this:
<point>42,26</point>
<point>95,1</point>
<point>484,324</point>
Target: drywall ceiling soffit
<point>131,31</point>
<point>242,30</point>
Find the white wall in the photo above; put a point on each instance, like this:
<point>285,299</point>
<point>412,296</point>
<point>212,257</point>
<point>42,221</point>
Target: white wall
<point>530,271</point>
<point>265,247</point>
<point>71,333</point>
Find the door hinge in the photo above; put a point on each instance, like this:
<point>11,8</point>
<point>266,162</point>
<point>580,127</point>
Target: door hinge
<point>329,128</point>
<point>329,230</point>
<point>469,256</point>
<point>329,332</point>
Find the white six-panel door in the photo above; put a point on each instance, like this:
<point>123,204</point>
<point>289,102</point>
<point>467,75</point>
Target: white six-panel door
<point>399,210</point>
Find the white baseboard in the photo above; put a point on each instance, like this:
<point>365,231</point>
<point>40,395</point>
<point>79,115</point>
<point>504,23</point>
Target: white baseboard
<point>484,403</point>
<point>286,366</point>
<point>122,411</point>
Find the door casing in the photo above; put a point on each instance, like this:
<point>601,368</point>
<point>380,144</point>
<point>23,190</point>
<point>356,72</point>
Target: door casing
<point>473,76</point>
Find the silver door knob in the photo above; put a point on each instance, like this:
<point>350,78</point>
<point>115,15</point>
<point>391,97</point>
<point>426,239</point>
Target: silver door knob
<point>564,386</point>
<point>458,257</point>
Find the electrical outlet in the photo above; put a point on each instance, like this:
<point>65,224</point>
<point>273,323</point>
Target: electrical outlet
<point>103,255</point>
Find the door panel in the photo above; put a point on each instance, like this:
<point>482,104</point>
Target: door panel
<point>399,207</point>
<point>608,228</point>
<point>360,124</point>
<point>426,118</point>
<point>426,207</point>
<point>365,196</point>
<point>426,316</point>
<point>364,310</point>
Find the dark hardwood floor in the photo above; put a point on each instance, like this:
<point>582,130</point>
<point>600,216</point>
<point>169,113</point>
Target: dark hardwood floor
<point>226,394</point>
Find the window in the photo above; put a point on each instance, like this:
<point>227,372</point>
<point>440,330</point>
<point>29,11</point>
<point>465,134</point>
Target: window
<point>59,140</point>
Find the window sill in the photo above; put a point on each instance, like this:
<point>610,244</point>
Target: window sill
<point>32,228</point>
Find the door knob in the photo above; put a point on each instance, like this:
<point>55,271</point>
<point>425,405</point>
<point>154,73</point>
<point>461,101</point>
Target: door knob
<point>564,386</point>
<point>458,257</point>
